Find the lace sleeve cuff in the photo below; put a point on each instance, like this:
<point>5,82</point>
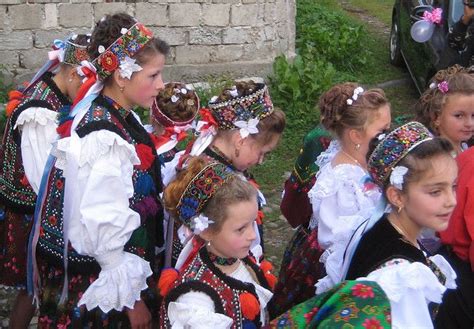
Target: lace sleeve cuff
<point>120,282</point>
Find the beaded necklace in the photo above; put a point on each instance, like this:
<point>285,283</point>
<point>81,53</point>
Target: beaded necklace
<point>221,260</point>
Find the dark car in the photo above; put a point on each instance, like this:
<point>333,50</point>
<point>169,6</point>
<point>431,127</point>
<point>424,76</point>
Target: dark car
<point>423,60</point>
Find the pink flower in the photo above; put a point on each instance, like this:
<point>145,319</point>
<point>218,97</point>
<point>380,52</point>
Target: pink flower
<point>434,17</point>
<point>362,291</point>
<point>372,323</point>
<point>443,87</point>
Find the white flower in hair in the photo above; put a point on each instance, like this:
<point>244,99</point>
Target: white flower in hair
<point>128,66</point>
<point>174,98</point>
<point>397,176</point>
<point>433,85</point>
<point>101,49</point>
<point>381,136</point>
<point>200,223</point>
<point>123,30</point>
<point>247,127</point>
<point>355,95</point>
<point>213,99</point>
<point>184,91</point>
<point>233,92</point>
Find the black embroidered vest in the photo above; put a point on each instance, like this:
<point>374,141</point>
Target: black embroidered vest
<point>15,190</point>
<point>147,186</point>
<point>203,276</point>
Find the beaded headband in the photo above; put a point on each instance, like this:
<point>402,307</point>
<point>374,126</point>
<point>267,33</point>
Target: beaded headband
<point>122,49</point>
<point>174,92</point>
<point>257,105</point>
<point>74,54</point>
<point>201,189</point>
<point>394,147</point>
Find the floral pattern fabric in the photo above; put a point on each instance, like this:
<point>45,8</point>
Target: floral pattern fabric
<point>351,304</point>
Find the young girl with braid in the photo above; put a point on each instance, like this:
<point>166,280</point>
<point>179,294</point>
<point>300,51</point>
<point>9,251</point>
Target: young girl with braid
<point>418,176</point>
<point>29,133</point>
<point>240,127</point>
<point>447,106</point>
<point>340,198</point>
<point>96,226</point>
<point>217,284</point>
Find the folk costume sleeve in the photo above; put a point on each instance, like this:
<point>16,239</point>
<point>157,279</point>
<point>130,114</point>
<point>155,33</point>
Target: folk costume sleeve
<point>101,220</point>
<point>413,285</point>
<point>38,131</point>
<point>295,204</point>
<point>341,200</point>
<point>196,310</point>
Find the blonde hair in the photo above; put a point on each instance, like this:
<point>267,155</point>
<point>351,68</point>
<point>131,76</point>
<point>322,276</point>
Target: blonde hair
<point>233,191</point>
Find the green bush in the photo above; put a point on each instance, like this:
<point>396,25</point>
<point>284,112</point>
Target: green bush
<point>329,48</point>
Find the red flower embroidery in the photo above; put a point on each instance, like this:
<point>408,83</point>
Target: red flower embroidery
<point>145,154</point>
<point>24,181</point>
<point>59,184</point>
<point>109,61</point>
<point>207,183</point>
<point>362,291</point>
<point>372,323</point>
<point>52,220</point>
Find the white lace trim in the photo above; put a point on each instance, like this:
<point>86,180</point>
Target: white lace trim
<point>396,280</point>
<point>93,146</point>
<point>329,154</point>
<point>39,115</point>
<point>118,286</point>
<point>345,180</point>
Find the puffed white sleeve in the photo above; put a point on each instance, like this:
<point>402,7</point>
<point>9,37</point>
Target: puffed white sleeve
<point>38,131</point>
<point>410,287</point>
<point>100,219</point>
<point>196,310</point>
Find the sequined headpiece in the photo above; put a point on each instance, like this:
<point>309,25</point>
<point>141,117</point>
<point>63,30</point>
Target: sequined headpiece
<point>201,188</point>
<point>394,147</point>
<point>257,105</point>
<point>126,46</point>
<point>173,94</point>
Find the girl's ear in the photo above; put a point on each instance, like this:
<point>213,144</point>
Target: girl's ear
<point>356,136</point>
<point>237,140</point>
<point>207,235</point>
<point>118,80</point>
<point>395,197</point>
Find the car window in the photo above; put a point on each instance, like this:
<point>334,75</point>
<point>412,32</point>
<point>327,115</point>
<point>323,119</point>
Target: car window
<point>456,9</point>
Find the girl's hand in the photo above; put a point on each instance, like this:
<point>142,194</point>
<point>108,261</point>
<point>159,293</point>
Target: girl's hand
<point>139,316</point>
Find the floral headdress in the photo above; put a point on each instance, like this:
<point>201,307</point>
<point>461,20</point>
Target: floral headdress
<point>394,147</point>
<point>242,113</point>
<point>175,92</point>
<point>198,193</point>
<point>355,95</point>
<point>67,52</point>
<point>74,54</point>
<point>119,54</point>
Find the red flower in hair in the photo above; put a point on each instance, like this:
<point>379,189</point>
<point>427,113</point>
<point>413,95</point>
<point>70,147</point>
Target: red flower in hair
<point>109,61</point>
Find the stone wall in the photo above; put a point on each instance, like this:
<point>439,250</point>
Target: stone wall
<point>241,37</point>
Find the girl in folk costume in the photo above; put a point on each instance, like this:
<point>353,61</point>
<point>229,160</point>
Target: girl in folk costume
<point>95,229</point>
<point>30,130</point>
<point>242,128</point>
<point>418,175</point>
<point>447,106</point>
<point>340,198</point>
<point>218,285</point>
<point>171,121</point>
